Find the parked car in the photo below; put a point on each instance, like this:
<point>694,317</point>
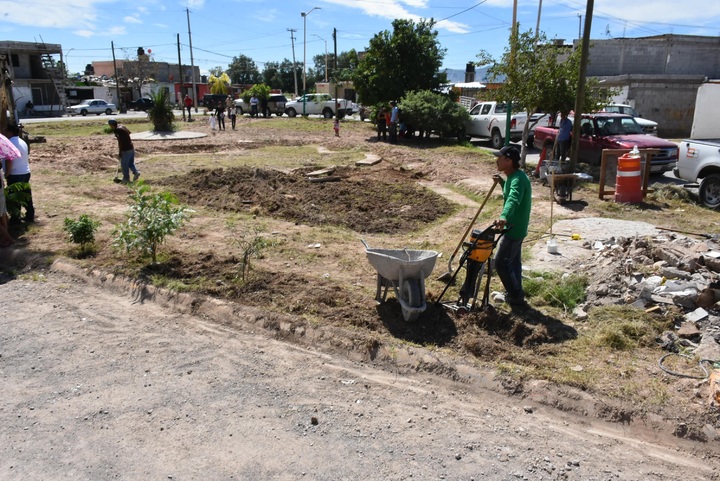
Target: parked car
<point>276,105</point>
<point>211,100</point>
<point>316,104</point>
<point>603,130</point>
<point>93,106</point>
<point>648,126</point>
<point>141,104</point>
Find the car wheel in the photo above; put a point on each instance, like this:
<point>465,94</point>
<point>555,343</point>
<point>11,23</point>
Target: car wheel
<point>327,113</point>
<point>710,191</point>
<point>291,112</point>
<point>108,112</point>
<point>496,140</point>
<point>83,112</point>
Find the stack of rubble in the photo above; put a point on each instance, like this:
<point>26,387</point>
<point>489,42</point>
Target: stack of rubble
<point>660,271</point>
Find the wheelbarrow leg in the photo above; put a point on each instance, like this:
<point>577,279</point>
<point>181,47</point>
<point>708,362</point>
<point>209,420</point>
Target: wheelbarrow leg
<point>381,294</point>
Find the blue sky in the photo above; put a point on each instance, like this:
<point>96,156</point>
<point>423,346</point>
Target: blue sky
<point>222,29</point>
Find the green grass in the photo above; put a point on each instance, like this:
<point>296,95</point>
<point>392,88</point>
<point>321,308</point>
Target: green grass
<point>97,125</point>
<point>556,290</point>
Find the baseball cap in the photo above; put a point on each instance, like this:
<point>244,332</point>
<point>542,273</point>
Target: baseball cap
<point>112,122</point>
<point>510,152</point>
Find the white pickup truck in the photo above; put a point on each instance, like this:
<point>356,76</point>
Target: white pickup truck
<point>317,104</point>
<point>699,156</point>
<point>488,120</point>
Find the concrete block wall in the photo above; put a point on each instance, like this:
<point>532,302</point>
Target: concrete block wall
<point>660,55</point>
<point>667,100</point>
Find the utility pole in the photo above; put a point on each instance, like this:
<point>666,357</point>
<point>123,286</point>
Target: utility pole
<point>335,79</point>
<point>292,42</point>
<point>580,96</point>
<point>121,107</point>
<point>192,64</point>
<point>182,105</point>
<point>513,47</point>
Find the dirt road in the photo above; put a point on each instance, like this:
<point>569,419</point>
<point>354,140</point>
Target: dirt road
<point>98,385</point>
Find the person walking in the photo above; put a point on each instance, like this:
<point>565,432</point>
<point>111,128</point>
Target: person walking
<point>394,119</point>
<point>232,113</point>
<point>382,124</point>
<point>18,170</point>
<point>563,138</point>
<point>188,105</point>
<point>127,151</point>
<point>517,202</point>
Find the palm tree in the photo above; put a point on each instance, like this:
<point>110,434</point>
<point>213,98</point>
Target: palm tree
<point>161,113</point>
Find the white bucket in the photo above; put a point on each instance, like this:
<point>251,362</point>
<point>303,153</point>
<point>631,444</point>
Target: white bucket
<point>552,246</point>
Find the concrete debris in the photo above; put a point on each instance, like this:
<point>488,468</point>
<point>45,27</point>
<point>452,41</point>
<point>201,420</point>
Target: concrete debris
<point>661,274</point>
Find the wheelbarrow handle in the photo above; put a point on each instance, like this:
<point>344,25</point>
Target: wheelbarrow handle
<point>472,223</point>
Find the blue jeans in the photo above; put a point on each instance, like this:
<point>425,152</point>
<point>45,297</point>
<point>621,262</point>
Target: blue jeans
<point>127,163</point>
<point>508,264</point>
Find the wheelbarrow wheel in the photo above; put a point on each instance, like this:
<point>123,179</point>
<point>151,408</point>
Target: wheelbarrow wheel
<point>410,293</point>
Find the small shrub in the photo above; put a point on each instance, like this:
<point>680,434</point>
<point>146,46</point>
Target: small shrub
<point>151,218</point>
<point>81,231</point>
<point>251,246</point>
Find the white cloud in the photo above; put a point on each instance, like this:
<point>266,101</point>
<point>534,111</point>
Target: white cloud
<point>132,19</point>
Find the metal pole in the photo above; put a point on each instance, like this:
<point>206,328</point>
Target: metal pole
<point>326,55</point>
<point>304,16</point>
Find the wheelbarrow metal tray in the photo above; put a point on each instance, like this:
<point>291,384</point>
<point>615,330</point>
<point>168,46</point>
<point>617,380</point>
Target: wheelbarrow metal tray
<point>394,264</point>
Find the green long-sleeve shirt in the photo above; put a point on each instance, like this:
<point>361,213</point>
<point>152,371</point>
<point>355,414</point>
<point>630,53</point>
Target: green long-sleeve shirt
<point>517,193</point>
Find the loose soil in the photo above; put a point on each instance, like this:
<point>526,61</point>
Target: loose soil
<point>312,283</point>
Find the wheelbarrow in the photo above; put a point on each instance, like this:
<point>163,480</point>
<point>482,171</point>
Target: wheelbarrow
<point>405,270</point>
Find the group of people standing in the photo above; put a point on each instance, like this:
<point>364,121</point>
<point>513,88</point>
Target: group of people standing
<point>14,170</point>
<point>388,121</point>
<point>217,120</point>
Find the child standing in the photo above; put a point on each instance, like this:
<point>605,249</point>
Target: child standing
<point>336,127</point>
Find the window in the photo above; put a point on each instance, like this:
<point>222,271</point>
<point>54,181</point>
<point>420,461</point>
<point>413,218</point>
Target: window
<point>15,59</point>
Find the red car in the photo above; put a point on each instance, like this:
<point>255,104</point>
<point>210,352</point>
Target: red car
<point>605,130</point>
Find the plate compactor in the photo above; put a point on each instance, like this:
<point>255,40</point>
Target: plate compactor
<point>477,260</point>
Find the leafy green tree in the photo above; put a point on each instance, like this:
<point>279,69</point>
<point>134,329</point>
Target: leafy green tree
<point>261,91</point>
<point>431,112</point>
<point>161,113</point>
<point>542,77</point>
<point>216,71</point>
<point>151,218</point>
<point>243,70</point>
<point>280,75</point>
<point>395,63</point>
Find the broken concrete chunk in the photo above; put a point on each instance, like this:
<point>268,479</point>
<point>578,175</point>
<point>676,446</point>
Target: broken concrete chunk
<point>696,315</point>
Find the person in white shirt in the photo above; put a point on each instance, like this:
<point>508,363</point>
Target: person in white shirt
<point>18,170</point>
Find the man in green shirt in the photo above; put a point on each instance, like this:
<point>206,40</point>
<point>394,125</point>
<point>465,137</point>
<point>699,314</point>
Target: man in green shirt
<point>517,195</point>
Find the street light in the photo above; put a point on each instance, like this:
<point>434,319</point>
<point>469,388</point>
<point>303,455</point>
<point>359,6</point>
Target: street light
<point>326,59</point>
<point>304,16</point>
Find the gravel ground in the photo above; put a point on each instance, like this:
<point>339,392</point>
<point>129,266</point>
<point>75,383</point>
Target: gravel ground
<point>103,384</point>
